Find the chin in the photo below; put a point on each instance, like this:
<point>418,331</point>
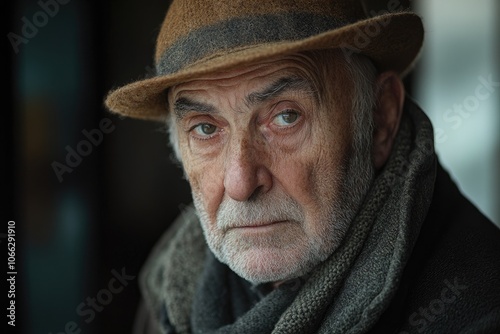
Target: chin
<point>265,265</point>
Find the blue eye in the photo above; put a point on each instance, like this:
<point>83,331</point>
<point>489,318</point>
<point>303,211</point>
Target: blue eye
<point>286,117</point>
<point>205,129</point>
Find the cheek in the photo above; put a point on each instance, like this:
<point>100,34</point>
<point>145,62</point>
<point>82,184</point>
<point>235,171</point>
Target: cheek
<point>312,175</point>
<point>206,181</point>
<point>208,187</point>
<point>312,178</point>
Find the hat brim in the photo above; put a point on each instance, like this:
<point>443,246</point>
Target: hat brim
<point>394,46</point>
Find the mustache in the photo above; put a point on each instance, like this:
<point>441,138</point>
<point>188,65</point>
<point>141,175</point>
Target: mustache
<point>262,210</point>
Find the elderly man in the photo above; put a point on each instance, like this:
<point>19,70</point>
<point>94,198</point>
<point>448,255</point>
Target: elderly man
<point>319,204</point>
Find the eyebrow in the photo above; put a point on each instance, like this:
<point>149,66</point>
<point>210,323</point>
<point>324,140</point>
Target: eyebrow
<point>280,86</point>
<point>184,105</point>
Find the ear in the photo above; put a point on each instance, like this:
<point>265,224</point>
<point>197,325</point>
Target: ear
<point>386,116</point>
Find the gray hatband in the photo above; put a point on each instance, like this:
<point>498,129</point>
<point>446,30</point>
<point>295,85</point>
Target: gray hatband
<point>241,32</point>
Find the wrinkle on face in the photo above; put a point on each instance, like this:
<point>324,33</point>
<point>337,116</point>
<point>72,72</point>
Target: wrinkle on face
<point>248,164</point>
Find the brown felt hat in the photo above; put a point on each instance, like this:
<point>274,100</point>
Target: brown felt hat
<point>199,37</point>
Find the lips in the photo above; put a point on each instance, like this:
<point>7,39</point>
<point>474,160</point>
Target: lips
<point>260,224</point>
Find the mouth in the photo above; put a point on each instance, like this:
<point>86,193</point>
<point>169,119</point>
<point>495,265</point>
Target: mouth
<point>260,225</point>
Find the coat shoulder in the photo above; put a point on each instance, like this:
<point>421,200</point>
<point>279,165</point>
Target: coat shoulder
<point>451,282</point>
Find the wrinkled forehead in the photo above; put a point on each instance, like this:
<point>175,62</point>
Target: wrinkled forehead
<point>313,67</point>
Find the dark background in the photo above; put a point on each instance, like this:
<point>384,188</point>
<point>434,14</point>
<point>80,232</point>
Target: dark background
<point>110,210</point>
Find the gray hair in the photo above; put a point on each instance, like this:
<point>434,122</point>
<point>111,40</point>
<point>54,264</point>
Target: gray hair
<point>364,100</point>
<point>173,138</point>
<point>363,74</point>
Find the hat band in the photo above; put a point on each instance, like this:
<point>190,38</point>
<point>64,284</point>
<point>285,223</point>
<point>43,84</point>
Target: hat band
<point>242,32</point>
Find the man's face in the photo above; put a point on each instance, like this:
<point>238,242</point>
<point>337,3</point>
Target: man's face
<point>266,150</point>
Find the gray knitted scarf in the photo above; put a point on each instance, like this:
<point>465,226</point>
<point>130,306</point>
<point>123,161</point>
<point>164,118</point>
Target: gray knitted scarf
<point>347,293</point>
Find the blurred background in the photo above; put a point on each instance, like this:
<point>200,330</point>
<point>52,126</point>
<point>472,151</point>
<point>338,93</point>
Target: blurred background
<point>91,192</point>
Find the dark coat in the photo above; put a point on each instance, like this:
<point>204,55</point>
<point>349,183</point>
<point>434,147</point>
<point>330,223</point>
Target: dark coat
<point>451,283</point>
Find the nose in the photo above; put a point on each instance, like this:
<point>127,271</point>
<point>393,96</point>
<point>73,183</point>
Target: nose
<point>246,174</point>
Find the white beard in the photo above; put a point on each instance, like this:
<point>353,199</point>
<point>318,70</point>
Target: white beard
<point>289,250</point>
